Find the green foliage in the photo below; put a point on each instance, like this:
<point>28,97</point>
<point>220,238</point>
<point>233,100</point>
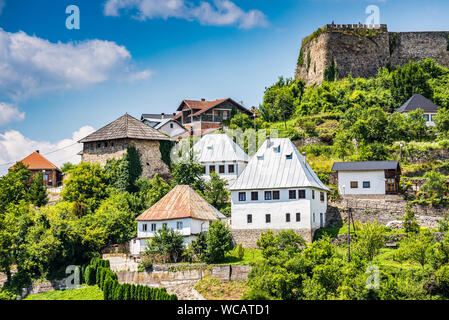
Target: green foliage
<point>240,251</point>
<point>331,72</point>
<point>199,246</point>
<point>442,123</point>
<point>123,173</point>
<point>188,173</point>
<point>165,147</point>
<point>166,243</point>
<point>66,167</point>
<point>215,192</point>
<point>435,185</point>
<point>369,241</point>
<point>416,248</point>
<point>86,184</point>
<point>219,241</point>
<point>410,225</point>
<point>37,193</point>
<point>151,191</point>
<point>443,224</point>
<point>13,186</point>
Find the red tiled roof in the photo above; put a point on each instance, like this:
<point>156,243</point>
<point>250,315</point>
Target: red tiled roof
<point>203,106</point>
<point>36,161</point>
<point>181,202</point>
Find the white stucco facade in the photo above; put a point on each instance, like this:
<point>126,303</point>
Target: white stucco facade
<point>232,170</point>
<point>172,128</point>
<point>368,182</point>
<point>282,212</point>
<point>189,228</point>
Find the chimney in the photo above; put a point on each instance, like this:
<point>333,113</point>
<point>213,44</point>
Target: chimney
<point>202,99</point>
<point>37,151</point>
<point>305,156</point>
<point>163,115</point>
<point>174,114</point>
<point>268,141</point>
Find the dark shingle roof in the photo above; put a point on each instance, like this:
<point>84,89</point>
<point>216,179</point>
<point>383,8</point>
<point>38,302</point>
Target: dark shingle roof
<point>418,102</point>
<point>157,116</point>
<point>365,166</point>
<point>125,127</point>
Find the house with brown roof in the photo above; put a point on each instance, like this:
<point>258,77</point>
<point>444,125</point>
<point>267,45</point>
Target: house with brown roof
<point>113,140</point>
<point>38,164</point>
<point>202,117</point>
<point>182,210</point>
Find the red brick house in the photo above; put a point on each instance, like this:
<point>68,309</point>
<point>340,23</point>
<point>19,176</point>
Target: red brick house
<point>36,163</point>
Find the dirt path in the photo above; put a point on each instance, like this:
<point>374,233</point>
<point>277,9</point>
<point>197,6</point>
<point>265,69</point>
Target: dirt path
<point>185,291</point>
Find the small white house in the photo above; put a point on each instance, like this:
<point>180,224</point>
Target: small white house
<point>182,210</point>
<point>278,191</point>
<point>164,123</point>
<point>417,101</point>
<point>368,178</point>
<point>220,154</point>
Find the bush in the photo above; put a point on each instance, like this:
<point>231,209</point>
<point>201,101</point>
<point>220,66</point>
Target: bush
<point>90,276</point>
<point>240,251</point>
<point>442,277</point>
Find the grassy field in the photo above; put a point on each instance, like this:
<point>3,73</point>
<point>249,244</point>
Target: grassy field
<point>212,289</point>
<point>88,293</point>
<point>251,256</point>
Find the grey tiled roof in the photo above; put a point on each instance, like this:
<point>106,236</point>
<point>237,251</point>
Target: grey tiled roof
<point>219,148</point>
<point>365,166</point>
<point>125,127</point>
<point>277,164</point>
<point>418,102</point>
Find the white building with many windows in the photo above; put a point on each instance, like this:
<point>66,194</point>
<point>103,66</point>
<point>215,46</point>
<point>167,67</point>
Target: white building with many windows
<point>219,153</point>
<point>182,210</point>
<point>278,191</point>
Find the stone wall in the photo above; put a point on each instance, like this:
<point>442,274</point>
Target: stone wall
<point>361,53</point>
<point>150,154</point>
<point>383,211</point>
<point>248,238</point>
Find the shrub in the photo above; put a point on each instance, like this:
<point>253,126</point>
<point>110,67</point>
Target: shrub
<point>442,277</point>
<point>240,251</point>
<point>90,276</point>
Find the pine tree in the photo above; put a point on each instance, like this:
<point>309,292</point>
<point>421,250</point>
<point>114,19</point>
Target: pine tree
<point>37,193</point>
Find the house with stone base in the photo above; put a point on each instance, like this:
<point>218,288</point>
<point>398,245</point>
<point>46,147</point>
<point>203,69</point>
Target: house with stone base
<point>278,190</point>
<point>113,140</point>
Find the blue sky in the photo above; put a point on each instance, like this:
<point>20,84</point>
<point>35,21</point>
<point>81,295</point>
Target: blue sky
<point>141,56</point>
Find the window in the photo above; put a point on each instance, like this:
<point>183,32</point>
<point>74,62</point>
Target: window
<point>426,117</point>
<point>313,217</point>
<point>292,194</point>
<point>267,195</point>
<point>153,227</point>
<point>354,184</point>
<point>268,218</point>
<point>204,170</point>
<point>322,196</point>
<point>171,126</point>
<point>313,194</point>
<point>366,184</point>
<point>221,169</point>
<point>231,168</point>
<point>301,194</point>
<point>98,145</point>
<point>242,196</point>
<point>298,217</point>
<point>254,196</point>
<point>179,225</point>
<point>276,195</point>
<point>45,177</point>
<point>249,218</point>
<point>289,156</point>
<point>212,169</point>
<point>287,217</point>
<point>144,227</point>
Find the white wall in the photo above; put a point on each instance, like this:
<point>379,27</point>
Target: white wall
<point>278,210</point>
<point>230,177</point>
<point>185,231</point>
<point>376,178</point>
<point>172,132</point>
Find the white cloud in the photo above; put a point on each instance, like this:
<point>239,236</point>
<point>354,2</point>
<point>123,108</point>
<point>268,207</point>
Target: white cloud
<point>30,65</point>
<point>14,147</point>
<point>9,113</point>
<point>220,13</point>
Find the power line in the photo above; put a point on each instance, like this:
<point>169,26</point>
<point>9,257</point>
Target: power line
<point>44,154</point>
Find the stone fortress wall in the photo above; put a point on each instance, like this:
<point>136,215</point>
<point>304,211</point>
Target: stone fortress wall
<point>361,50</point>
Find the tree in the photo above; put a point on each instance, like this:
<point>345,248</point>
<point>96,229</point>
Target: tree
<point>442,123</point>
<point>151,191</point>
<point>66,167</point>
<point>167,243</point>
<point>416,248</point>
<point>13,186</point>
<point>199,246</point>
<point>435,185</point>
<point>369,240</point>
<point>87,184</point>
<point>410,225</point>
<point>343,145</point>
<point>123,173</point>
<point>188,173</point>
<point>219,241</point>
<point>215,192</point>
<point>37,193</point>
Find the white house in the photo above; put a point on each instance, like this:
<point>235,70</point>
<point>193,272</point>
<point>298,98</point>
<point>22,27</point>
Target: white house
<point>417,101</point>
<point>164,123</point>
<point>277,191</point>
<point>182,210</point>
<point>219,153</point>
<point>369,178</point>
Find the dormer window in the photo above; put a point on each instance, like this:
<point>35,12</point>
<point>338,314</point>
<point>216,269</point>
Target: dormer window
<point>289,156</point>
